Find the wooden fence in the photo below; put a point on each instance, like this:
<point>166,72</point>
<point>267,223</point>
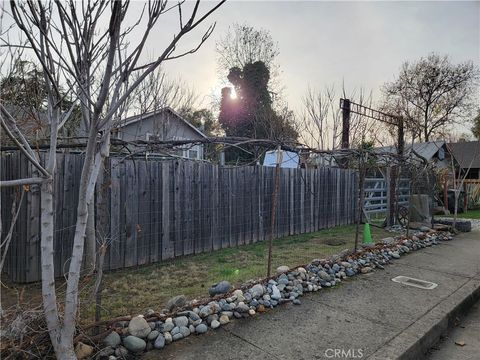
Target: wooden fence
<point>154,210</point>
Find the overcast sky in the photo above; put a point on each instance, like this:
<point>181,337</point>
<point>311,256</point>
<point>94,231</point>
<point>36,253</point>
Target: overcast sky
<point>325,43</point>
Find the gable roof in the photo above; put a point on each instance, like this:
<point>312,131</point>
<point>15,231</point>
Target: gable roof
<point>466,153</point>
<point>135,118</point>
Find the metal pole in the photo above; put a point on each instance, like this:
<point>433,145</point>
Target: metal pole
<point>345,123</point>
<point>274,209</point>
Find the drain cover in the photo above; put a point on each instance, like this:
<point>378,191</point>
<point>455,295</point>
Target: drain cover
<point>422,284</point>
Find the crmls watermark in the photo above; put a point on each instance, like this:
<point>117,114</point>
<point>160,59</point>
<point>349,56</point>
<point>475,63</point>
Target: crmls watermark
<point>344,353</point>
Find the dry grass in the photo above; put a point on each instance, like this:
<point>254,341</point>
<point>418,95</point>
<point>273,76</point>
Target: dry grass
<point>134,290</point>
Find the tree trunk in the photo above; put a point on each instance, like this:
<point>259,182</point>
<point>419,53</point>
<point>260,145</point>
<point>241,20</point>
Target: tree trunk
<point>48,275</point>
<point>90,244</point>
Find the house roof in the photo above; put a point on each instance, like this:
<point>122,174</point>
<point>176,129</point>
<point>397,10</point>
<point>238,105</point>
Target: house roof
<point>426,149</point>
<point>135,118</point>
<point>466,153</point>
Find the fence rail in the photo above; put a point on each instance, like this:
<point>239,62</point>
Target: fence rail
<point>152,211</point>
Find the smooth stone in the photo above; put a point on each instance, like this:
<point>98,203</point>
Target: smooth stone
<point>134,344</point>
<point>139,327</point>
<point>112,339</point>
<point>153,335</point>
<point>241,307</point>
<point>191,328</point>
<point>282,269</point>
<point>177,337</point>
<point>159,342</point>
<point>167,327</point>
<point>365,269</point>
<point>168,338</point>
<point>181,321</point>
<point>176,302</point>
<point>324,275</point>
<point>83,351</point>
<point>185,331</point>
<point>222,287</point>
<point>257,290</point>
<point>251,312</point>
<point>224,319</point>
<point>215,324</point>
<point>239,294</point>
<point>276,295</point>
<point>297,302</point>
<point>201,329</point>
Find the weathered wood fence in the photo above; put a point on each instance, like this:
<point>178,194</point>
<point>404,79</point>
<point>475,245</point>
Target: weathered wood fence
<point>153,210</point>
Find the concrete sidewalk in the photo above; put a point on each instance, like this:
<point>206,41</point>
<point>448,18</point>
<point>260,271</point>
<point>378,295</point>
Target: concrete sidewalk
<point>368,316</point>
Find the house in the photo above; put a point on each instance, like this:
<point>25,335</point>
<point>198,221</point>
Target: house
<point>467,157</point>
<point>435,152</point>
<point>163,124</point>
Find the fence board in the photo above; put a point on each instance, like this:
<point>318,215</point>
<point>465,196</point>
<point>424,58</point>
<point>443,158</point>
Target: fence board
<point>160,209</point>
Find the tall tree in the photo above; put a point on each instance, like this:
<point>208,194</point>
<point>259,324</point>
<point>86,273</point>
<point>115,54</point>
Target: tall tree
<point>476,125</point>
<point>248,111</point>
<point>243,44</point>
<point>96,64</point>
<point>432,93</point>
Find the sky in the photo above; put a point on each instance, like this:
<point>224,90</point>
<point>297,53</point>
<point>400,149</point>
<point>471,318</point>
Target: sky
<point>362,44</point>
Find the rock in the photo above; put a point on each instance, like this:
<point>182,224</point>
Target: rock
<point>282,280</point>
<point>153,335</point>
<point>260,308</point>
<point>176,302</point>
<point>257,290</point>
<point>224,319</point>
<point>365,269</point>
<point>251,312</point>
<point>83,351</point>
<point>150,312</point>
<point>201,329</point>
<point>395,255</point>
<point>388,240</point>
<point>324,275</point>
<point>276,295</point>
<point>191,328</point>
<point>167,327</point>
<point>215,324</point>
<point>181,321</point>
<point>297,302</point>
<point>239,295</point>
<point>121,352</point>
<point>222,287</point>
<point>159,342</point>
<point>139,327</point>
<point>168,337</point>
<point>177,336</point>
<point>282,269</point>
<point>241,307</point>
<point>112,339</point>
<point>134,344</point>
<point>185,331</point>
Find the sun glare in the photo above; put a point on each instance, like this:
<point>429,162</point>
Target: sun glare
<point>233,94</point>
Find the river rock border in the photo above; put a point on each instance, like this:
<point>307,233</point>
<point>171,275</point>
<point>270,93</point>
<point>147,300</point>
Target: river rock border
<point>142,333</point>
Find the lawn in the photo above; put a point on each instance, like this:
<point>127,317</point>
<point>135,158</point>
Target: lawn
<point>471,214</point>
<point>134,290</point>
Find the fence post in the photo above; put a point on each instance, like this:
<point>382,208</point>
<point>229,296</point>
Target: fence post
<point>345,105</point>
<point>274,209</point>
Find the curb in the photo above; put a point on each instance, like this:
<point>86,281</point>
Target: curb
<point>414,342</point>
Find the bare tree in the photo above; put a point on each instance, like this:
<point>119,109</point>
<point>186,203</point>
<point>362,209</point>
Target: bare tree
<point>158,91</point>
<point>96,64</point>
<point>431,93</point>
<point>320,123</point>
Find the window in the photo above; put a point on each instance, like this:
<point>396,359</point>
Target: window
<point>151,137</point>
<point>192,154</point>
